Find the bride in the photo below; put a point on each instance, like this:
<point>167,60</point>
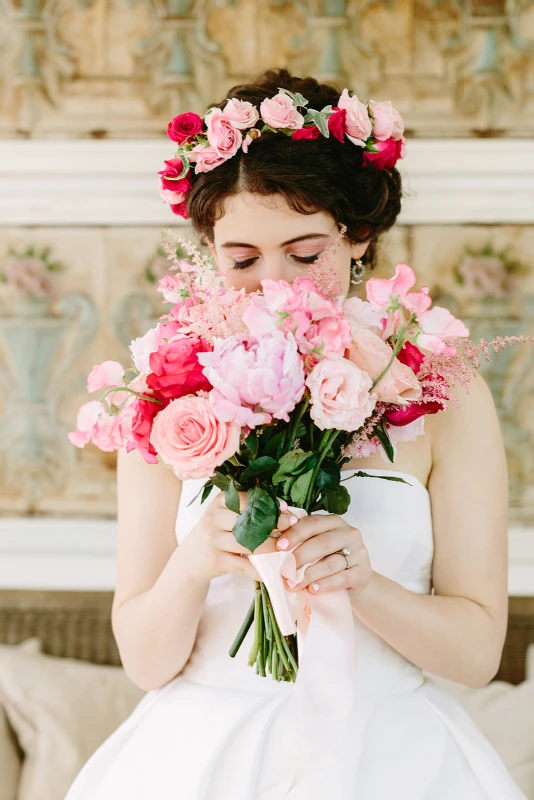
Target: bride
<point>427,570</point>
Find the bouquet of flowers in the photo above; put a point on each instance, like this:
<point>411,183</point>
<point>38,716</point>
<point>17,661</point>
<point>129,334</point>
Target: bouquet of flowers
<point>272,392</point>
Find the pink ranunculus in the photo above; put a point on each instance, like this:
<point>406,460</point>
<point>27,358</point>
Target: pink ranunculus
<point>223,136</point>
<point>370,353</point>
<point>206,158</point>
<point>94,424</point>
<point>169,177</point>
<point>437,324</point>
<point>386,155</point>
<point>341,396</point>
<point>381,291</point>
<point>387,122</point>
<point>240,113</point>
<point>308,132</point>
<point>256,380</point>
<point>109,373</point>
<point>189,438</point>
<point>337,123</point>
<point>280,112</point>
<point>357,122</point>
<point>176,369</point>
<point>184,127</point>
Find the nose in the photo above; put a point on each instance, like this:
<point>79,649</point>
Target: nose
<point>275,268</point>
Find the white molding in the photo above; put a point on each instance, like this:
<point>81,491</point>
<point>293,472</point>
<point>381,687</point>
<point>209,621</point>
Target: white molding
<point>90,183</point>
<point>79,554</point>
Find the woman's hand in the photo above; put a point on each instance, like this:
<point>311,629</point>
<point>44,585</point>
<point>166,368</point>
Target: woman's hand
<point>319,536</point>
<point>212,549</point>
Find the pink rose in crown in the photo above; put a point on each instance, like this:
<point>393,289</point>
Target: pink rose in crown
<point>175,368</point>
<point>109,373</point>
<point>308,132</point>
<point>170,179</point>
<point>240,113</point>
<point>357,123</point>
<point>370,353</point>
<point>386,156</point>
<point>222,135</point>
<point>184,127</point>
<point>387,122</point>
<point>253,382</point>
<point>340,394</point>
<point>190,438</point>
<point>337,123</point>
<point>280,112</point>
<point>205,158</point>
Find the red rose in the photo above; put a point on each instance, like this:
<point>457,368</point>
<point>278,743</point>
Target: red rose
<point>311,132</point>
<point>175,368</point>
<point>170,176</point>
<point>387,156</point>
<point>184,127</point>
<point>142,422</point>
<point>411,356</point>
<point>180,209</point>
<point>336,123</point>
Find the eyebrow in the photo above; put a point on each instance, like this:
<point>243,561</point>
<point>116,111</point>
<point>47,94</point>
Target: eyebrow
<point>284,244</point>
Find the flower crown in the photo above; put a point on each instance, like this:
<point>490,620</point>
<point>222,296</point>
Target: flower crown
<point>210,141</point>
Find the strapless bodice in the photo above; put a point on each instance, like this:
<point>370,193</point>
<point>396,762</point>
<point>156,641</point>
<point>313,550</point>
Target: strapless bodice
<point>396,525</point>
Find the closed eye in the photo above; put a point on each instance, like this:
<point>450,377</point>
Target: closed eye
<point>299,259</point>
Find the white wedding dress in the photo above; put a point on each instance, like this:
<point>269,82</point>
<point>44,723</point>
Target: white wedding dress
<point>216,731</point>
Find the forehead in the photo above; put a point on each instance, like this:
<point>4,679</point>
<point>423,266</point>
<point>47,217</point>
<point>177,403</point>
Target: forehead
<point>266,220</point>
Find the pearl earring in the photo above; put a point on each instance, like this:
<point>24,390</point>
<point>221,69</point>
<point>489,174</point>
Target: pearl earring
<point>357,271</point>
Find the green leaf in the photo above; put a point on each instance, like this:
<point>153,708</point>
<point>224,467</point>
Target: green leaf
<point>231,498</point>
<point>297,98</point>
<point>220,481</point>
<point>252,442</point>
<point>299,489</point>
<point>258,519</point>
<point>259,466</point>
<point>290,464</point>
<point>338,501</point>
<point>320,120</point>
<point>206,491</point>
<point>381,434</point>
<point>328,476</point>
<point>361,474</point>
<point>207,486</point>
<point>273,445</point>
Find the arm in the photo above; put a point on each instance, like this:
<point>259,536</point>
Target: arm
<point>459,631</point>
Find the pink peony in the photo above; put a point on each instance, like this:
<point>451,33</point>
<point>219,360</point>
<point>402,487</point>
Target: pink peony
<point>370,353</point>
<point>184,127</point>
<point>357,123</point>
<point>94,424</point>
<point>386,155</point>
<point>436,325</point>
<point>387,122</point>
<point>170,179</point>
<point>240,113</point>
<point>189,437</point>
<point>280,112</point>
<point>109,373</point>
<point>205,157</point>
<point>341,395</point>
<point>222,135</point>
<point>254,381</point>
<point>176,370</point>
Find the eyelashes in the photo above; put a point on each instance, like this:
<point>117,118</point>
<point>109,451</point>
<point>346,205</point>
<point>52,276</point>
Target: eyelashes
<point>299,259</point>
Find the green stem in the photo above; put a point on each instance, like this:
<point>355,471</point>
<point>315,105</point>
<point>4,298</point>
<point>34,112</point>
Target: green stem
<point>295,424</point>
<point>243,630</point>
<point>257,622</point>
<point>396,350</point>
<point>327,439</point>
<point>126,389</point>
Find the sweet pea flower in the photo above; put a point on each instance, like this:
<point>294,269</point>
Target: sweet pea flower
<point>381,291</point>
<point>357,123</point>
<point>280,112</point>
<point>240,113</point>
<point>108,432</point>
<point>436,325</point>
<point>222,135</point>
<point>109,373</point>
<point>341,396</point>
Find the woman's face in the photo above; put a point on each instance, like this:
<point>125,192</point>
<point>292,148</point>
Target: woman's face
<point>262,237</point>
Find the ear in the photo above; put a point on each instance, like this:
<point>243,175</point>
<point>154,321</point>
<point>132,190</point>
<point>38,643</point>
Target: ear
<point>357,250</point>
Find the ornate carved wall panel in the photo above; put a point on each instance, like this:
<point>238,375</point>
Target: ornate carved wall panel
<point>121,68</point>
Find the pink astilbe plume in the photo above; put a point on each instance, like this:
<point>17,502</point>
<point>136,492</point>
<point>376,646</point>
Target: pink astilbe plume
<point>220,318</point>
<point>363,443</point>
<point>320,272</point>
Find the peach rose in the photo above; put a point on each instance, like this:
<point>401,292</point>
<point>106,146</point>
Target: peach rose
<point>340,394</point>
<point>189,438</point>
<point>370,353</point>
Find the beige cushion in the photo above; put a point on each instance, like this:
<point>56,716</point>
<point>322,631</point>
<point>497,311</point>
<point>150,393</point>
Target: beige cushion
<point>10,755</point>
<point>505,715</point>
<point>61,710</point>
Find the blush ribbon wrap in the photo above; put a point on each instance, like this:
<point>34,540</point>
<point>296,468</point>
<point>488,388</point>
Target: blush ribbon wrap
<point>305,764</point>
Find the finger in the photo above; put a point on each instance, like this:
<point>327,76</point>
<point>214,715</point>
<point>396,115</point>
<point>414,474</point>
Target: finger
<point>225,540</point>
<point>326,545</point>
<point>346,579</point>
<point>307,527</point>
<point>285,521</point>
<point>331,565</point>
<point>242,566</point>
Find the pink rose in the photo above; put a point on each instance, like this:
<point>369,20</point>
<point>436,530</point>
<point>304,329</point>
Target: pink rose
<point>387,122</point>
<point>370,353</point>
<point>188,436</point>
<point>184,127</point>
<point>436,325</point>
<point>180,209</point>
<point>176,370</point>
<point>205,158</point>
<point>169,177</point>
<point>254,381</point>
<point>340,395</point>
<point>108,432</point>
<point>386,155</point>
<point>169,196</point>
<point>280,112</point>
<point>109,373</point>
<point>222,135</point>
<point>144,413</point>
<point>240,113</point>
<point>357,122</point>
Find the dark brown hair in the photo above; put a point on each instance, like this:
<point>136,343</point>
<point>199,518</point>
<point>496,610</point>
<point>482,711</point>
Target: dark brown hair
<point>312,175</point>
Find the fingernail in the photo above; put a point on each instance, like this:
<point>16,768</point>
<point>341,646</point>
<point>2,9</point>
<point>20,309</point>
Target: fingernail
<point>283,543</point>
<point>315,587</point>
<point>293,519</point>
<point>283,505</point>
<point>291,584</point>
